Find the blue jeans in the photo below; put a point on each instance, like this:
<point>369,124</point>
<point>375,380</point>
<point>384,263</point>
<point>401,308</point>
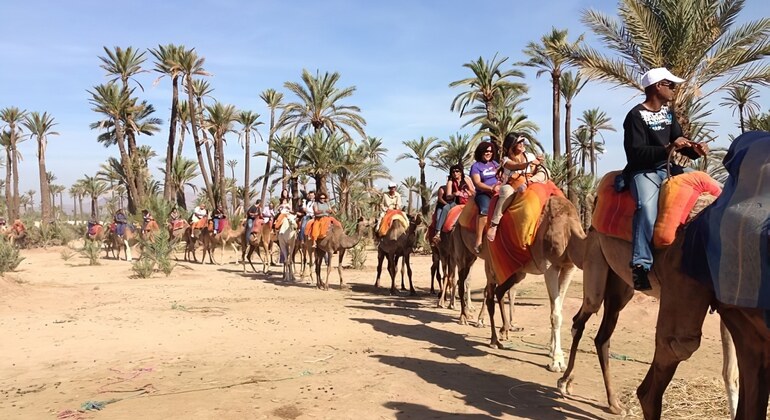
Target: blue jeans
<point>482,200</point>
<point>247,231</point>
<point>216,225</point>
<point>302,227</point>
<point>120,229</point>
<point>645,189</point>
<point>442,215</point>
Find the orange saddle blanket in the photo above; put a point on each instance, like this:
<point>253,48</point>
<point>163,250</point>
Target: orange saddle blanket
<point>387,220</point>
<point>614,212</point>
<point>509,252</point>
<point>279,221</point>
<point>321,231</point>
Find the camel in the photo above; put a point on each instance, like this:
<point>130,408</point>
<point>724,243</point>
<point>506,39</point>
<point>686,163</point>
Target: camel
<point>258,240</point>
<point>398,242</point>
<point>556,250</point>
<point>335,241</point>
<point>211,240</point>
<point>435,267</point>
<point>150,229</point>
<point>16,234</point>
<point>607,279</point>
<point>116,243</point>
<point>287,238</point>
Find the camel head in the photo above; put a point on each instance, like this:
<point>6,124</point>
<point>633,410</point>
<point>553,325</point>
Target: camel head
<point>289,223</point>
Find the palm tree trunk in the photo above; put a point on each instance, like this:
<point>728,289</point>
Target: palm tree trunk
<point>246,169</point>
<point>168,189</point>
<point>74,207</point>
<point>128,168</point>
<point>284,177</point>
<point>423,188</point>
<point>222,184</point>
<point>181,144</point>
<point>181,200</point>
<point>593,158</point>
<point>8,172</point>
<point>16,196</point>
<point>568,152</point>
<point>80,205</point>
<point>45,193</point>
<point>196,138</point>
<point>556,82</point>
<point>740,115</point>
<point>94,208</point>
<point>269,160</point>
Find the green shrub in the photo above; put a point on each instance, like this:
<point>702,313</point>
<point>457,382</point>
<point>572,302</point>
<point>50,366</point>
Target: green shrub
<point>144,268</point>
<point>358,255</point>
<point>158,252</point>
<point>92,250</point>
<point>54,234</point>
<point>67,254</point>
<point>9,257</point>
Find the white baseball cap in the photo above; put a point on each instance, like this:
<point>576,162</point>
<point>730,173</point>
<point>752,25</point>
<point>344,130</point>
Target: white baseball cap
<point>392,185</point>
<point>658,74</point>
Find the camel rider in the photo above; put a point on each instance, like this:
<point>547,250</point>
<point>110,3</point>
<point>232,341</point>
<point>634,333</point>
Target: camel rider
<point>173,216</point>
<point>120,221</point>
<point>307,209</point>
<point>267,213</point>
<point>650,131</point>
<point>391,200</point>
<point>321,209</point>
<point>251,215</point>
<point>199,213</point>
<point>146,218</point>
<point>216,216</point>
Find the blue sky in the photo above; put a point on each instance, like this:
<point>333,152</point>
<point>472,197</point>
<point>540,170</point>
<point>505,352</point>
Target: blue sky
<point>400,55</point>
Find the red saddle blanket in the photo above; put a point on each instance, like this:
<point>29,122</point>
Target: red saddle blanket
<point>614,212</point>
<point>509,252</point>
<point>387,220</point>
<point>178,224</point>
<point>94,230</point>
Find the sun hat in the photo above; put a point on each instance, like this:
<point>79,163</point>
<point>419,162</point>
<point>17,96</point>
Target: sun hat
<point>658,74</point>
<point>392,185</point>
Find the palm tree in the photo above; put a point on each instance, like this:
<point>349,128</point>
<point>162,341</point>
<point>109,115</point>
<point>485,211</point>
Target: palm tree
<point>273,101</point>
<point>41,126</point>
<point>694,39</point>
<point>411,184</point>
<point>13,117</point>
<point>124,64</point>
<point>184,171</point>
<point>320,156</point>
<point>94,188</point>
<point>183,117</point>
<point>167,64</point>
<point>5,141</point>
<point>31,197</point>
<point>507,118</point>
<point>57,189</point>
<point>458,149</point>
<point>487,83</point>
<point>319,106</point>
<point>249,122</point>
<point>593,122</point>
<point>115,103</point>
<point>374,152</point>
<point>192,65</point>
<point>232,163</point>
<point>219,120</point>
<point>569,87</point>
<point>77,192</point>
<point>288,148</point>
<point>548,57</point>
<point>421,151</point>
<point>742,98</point>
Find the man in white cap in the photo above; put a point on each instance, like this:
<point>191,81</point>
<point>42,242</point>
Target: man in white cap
<point>650,132</point>
<point>391,200</point>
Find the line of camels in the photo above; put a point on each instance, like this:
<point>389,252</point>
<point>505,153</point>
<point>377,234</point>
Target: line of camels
<point>560,247</point>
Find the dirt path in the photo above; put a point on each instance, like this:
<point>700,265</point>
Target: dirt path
<point>209,342</point>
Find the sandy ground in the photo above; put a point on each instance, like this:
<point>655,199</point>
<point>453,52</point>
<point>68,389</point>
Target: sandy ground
<point>209,342</point>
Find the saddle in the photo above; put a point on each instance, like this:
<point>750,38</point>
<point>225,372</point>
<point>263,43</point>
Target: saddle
<point>279,221</point>
<point>325,223</point>
<point>614,212</point>
<point>178,224</point>
<point>94,229</point>
<point>388,219</point>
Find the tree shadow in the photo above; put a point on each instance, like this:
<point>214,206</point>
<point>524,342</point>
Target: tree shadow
<point>496,395</point>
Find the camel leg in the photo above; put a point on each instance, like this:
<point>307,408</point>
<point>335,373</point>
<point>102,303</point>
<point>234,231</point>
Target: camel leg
<point>751,341</point>
<point>677,335</point>
<point>328,258</point>
<point>380,257</point>
<point>578,326</point>
<point>249,254</point>
<point>729,369</point>
<point>318,259</point>
<point>403,262</point>
<point>341,254</point>
<point>500,292</point>
<point>557,280</point>
<point>462,275</point>
<point>408,265</point>
<point>489,300</point>
<point>392,262</point>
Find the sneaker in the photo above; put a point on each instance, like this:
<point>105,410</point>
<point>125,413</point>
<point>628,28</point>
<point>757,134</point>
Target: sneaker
<point>491,233</point>
<point>641,282</point>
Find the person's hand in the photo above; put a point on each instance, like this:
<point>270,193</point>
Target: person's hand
<point>680,143</point>
<point>537,161</point>
<point>701,149</point>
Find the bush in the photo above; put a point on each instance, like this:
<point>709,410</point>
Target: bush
<point>157,253</point>
<point>144,268</point>
<point>9,257</point>
<point>54,234</point>
<point>92,250</point>
<point>67,254</point>
<point>358,255</point>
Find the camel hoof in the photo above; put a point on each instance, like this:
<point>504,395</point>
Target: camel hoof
<point>515,329</point>
<point>394,292</point>
<point>495,344</point>
<point>463,321</point>
<point>616,409</point>
<point>480,323</point>
<point>565,386</point>
<point>556,367</point>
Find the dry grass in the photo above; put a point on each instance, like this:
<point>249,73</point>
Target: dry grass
<point>698,398</point>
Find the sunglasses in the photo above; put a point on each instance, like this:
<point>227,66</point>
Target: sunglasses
<point>670,85</point>
<point>456,170</point>
<point>488,151</point>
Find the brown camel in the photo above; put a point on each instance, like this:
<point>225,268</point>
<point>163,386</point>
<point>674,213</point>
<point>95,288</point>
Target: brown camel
<point>115,243</point>
<point>336,241</point>
<point>607,279</point>
<point>259,239</point>
<point>211,240</point>
<point>305,248</point>
<point>398,242</point>
<point>556,249</point>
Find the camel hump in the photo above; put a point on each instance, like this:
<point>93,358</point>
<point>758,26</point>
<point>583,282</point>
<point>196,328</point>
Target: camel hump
<point>393,216</point>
